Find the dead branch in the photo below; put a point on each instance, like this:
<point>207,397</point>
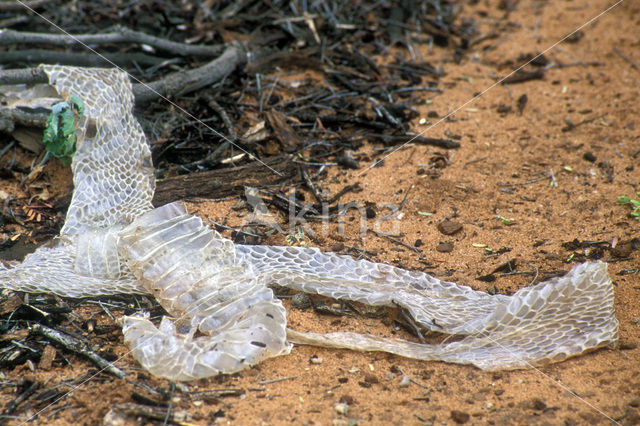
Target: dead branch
<point>626,58</point>
<point>80,347</point>
<point>42,56</point>
<point>9,117</point>
<point>23,76</point>
<point>188,81</point>
<point>224,182</point>
<point>119,34</point>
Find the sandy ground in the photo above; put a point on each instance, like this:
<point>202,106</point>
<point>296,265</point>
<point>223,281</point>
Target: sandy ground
<point>553,185</point>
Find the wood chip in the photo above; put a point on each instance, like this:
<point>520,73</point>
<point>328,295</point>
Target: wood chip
<point>11,304</point>
<point>285,134</point>
<point>46,360</point>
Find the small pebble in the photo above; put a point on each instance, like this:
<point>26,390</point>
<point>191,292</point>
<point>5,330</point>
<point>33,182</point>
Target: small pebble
<point>90,325</point>
<point>300,301</point>
<point>459,416</point>
<point>449,227</point>
<point>315,360</point>
<point>623,249</point>
<point>444,247</point>
<point>337,247</point>
<point>405,381</point>
<point>240,205</point>
<point>342,408</point>
<point>370,378</point>
<point>538,404</point>
<point>347,399</point>
<point>347,161</point>
<point>625,345</point>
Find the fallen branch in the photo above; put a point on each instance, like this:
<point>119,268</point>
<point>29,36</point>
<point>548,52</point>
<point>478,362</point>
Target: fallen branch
<point>42,56</point>
<point>80,347</point>
<point>182,82</point>
<point>215,183</point>
<point>9,117</point>
<point>224,182</point>
<point>118,35</point>
<point>23,76</point>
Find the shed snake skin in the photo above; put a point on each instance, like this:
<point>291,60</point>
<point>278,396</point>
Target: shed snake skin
<point>223,316</point>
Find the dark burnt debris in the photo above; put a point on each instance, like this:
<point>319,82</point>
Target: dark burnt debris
<point>341,96</point>
<point>313,82</point>
<point>312,87</point>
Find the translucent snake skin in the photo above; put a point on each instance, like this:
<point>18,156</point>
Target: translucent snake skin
<point>224,315</point>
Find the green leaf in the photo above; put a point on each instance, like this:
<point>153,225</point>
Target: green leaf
<point>51,131</point>
<point>623,199</point>
<point>506,220</point>
<point>60,133</point>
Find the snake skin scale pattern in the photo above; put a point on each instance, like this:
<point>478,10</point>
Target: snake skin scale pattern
<point>223,317</point>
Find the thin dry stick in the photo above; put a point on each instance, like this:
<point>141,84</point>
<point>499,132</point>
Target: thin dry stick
<point>40,56</point>
<point>626,58</point>
<point>119,34</point>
